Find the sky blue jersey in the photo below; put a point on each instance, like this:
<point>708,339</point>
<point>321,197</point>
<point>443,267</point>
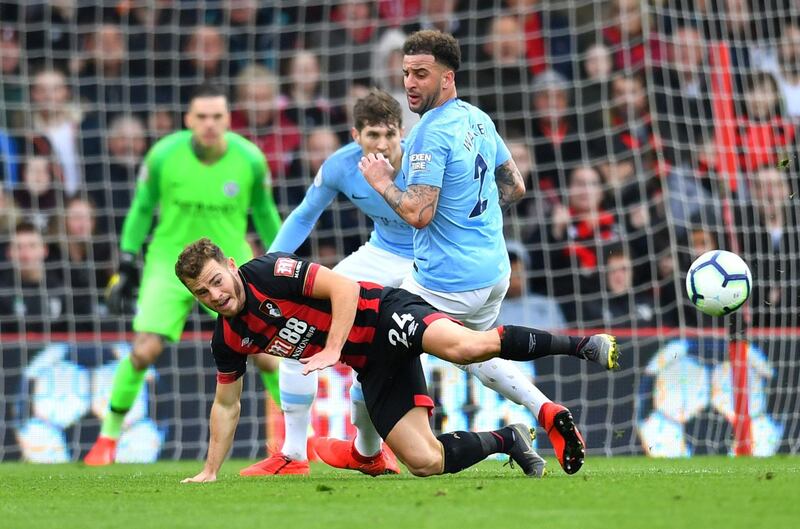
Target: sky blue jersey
<point>456,148</point>
<point>340,174</point>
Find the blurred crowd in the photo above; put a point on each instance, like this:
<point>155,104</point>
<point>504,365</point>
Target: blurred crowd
<point>616,113</point>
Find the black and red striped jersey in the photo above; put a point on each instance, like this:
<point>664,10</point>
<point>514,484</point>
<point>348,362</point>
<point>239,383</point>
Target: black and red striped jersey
<point>281,318</point>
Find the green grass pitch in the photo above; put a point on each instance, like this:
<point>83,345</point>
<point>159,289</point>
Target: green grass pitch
<point>618,493</point>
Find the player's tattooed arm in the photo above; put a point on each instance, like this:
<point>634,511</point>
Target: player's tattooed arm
<point>510,184</point>
<point>416,205</point>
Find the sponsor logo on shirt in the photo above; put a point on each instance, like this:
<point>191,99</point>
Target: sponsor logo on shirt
<point>246,341</point>
<point>292,340</point>
<point>318,178</point>
<point>286,267</point>
<point>231,189</point>
<point>419,161</point>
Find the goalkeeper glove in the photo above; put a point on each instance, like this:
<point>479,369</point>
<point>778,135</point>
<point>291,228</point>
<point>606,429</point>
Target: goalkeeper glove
<point>119,292</point>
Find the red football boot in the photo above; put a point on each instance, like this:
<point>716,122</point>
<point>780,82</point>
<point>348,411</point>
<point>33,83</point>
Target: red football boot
<point>102,453</point>
<point>342,454</point>
<point>276,465</point>
<point>567,441</point>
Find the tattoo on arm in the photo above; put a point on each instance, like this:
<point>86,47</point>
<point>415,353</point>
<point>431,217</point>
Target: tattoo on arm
<point>393,196</point>
<point>509,181</point>
<point>416,205</point>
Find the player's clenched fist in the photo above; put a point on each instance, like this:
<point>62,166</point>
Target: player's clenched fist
<point>119,292</point>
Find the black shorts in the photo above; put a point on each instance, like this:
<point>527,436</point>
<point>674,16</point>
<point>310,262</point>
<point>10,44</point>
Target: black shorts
<point>392,380</point>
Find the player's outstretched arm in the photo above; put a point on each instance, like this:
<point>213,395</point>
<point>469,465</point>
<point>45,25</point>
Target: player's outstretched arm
<point>224,418</point>
<point>343,294</point>
<point>416,205</point>
<point>301,220</point>
<point>510,184</point>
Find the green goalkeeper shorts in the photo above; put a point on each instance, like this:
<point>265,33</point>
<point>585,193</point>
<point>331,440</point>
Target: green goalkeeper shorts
<point>164,302</point>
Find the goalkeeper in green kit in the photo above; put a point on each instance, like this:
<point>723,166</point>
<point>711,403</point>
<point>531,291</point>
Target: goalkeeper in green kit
<point>203,180</point>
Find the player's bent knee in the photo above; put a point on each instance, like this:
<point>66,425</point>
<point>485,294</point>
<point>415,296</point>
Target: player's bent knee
<point>146,350</point>
<point>423,462</point>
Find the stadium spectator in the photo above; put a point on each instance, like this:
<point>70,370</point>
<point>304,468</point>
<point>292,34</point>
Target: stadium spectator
<point>733,22</point>
<point>628,133</point>
<point>501,63</point>
<point>9,217</point>
<point>548,44</point>
<point>393,383</point>
<point>387,60</point>
<point>53,30</point>
<point>354,28</point>
<point>39,197</point>
<point>439,15</point>
<point>767,136</point>
<point>111,181</point>
<point>673,305</point>
<point>253,34</point>
<point>12,91</point>
<point>58,120</point>
<point>105,82</point>
<point>683,96</point>
<point>522,307</point>
<point>305,105</point>
<point>593,90</point>
<point>156,31</point>
<point>626,38</point>
<point>9,160</point>
<point>161,120</point>
<point>319,143</point>
<point>358,90</point>
<point>31,295</point>
<point>788,71</point>
<point>624,303</point>
<point>524,211</point>
<point>573,241</point>
<point>768,239</point>
<point>85,261</point>
<point>192,176</point>
<point>257,116</point>
<point>205,60</point>
<point>556,144</point>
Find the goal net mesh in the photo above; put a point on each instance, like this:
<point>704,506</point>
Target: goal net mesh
<point>647,132</point>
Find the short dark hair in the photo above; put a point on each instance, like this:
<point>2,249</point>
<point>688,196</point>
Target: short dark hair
<point>208,90</point>
<point>443,46</point>
<point>377,108</point>
<point>195,256</point>
<point>26,226</point>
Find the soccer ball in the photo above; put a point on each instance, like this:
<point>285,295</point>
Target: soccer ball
<point>718,282</point>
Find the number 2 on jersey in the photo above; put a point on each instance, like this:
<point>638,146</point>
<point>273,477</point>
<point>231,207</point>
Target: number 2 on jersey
<point>480,173</point>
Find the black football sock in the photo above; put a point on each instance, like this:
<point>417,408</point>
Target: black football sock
<point>464,449</point>
<point>525,343</point>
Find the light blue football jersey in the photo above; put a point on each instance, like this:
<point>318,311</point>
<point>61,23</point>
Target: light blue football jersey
<point>456,147</point>
<point>340,174</point>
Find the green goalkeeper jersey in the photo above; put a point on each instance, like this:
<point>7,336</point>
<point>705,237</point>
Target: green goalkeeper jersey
<point>199,200</point>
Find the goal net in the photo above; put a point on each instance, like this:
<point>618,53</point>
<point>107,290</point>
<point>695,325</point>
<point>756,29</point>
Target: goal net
<point>647,134</point>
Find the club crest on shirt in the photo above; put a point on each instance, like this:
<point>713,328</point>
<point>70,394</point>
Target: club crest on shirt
<point>231,189</point>
<point>286,267</point>
<point>270,308</point>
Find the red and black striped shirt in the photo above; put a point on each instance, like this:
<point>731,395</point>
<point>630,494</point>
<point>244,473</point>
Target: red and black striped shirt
<point>281,318</point>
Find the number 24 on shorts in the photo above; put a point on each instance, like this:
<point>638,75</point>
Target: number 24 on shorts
<point>401,335</point>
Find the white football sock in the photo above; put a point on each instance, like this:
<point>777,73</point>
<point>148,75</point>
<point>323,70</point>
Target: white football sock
<point>297,396</point>
<point>367,441</point>
<point>504,377</point>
